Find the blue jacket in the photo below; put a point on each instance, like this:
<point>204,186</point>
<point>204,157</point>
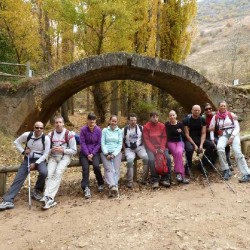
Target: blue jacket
<point>111,141</point>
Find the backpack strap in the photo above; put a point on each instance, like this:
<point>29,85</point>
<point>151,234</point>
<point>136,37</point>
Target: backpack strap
<point>43,141</point>
<point>66,137</point>
<point>124,136</point>
<point>140,127</point>
<point>42,137</point>
<point>231,117</point>
<point>28,138</point>
<point>51,138</point>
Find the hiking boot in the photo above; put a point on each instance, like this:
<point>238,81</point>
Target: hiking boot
<point>36,195</point>
<point>165,183</point>
<point>130,185</point>
<point>87,193</point>
<point>6,205</point>
<point>226,174</point>
<point>155,185</point>
<point>185,181</point>
<point>50,203</point>
<point>244,178</point>
<point>100,188</point>
<point>179,177</point>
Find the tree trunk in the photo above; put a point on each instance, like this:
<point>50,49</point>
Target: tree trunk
<point>64,112</point>
<point>115,107</point>
<point>124,99</point>
<point>71,105</point>
<point>101,101</point>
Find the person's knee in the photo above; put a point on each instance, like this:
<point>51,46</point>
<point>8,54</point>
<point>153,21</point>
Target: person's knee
<point>96,168</point>
<point>144,158</point>
<point>130,160</point>
<point>179,153</point>
<point>189,150</point>
<point>239,156</point>
<point>43,173</point>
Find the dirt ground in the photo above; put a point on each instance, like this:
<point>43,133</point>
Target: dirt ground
<point>181,217</point>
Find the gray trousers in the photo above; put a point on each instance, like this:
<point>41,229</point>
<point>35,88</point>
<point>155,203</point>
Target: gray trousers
<point>130,156</point>
<point>21,177</point>
<point>112,169</point>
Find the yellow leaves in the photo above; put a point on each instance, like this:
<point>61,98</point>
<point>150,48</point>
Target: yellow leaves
<point>8,153</point>
<point>176,29</point>
<point>17,22</point>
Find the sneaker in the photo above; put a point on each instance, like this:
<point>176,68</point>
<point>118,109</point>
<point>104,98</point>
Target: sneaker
<point>114,190</point>
<point>44,200</point>
<point>100,188</point>
<point>244,178</point>
<point>143,182</point>
<point>87,193</point>
<point>155,185</point>
<point>226,174</point>
<point>185,181</point>
<point>36,195</point>
<point>179,178</point>
<point>50,203</point>
<point>130,185</point>
<point>6,205</point>
<point>165,183</point>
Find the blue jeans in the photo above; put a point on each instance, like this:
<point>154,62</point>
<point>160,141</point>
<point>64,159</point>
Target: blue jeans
<point>21,177</point>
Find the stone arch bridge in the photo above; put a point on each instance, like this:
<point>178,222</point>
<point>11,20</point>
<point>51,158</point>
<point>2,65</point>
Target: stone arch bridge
<point>39,99</point>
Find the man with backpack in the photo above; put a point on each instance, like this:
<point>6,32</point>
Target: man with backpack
<point>133,144</point>
<point>155,140</point>
<point>195,133</point>
<point>36,150</point>
<point>63,146</point>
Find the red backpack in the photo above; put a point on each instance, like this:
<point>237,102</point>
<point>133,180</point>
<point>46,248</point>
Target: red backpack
<point>161,167</point>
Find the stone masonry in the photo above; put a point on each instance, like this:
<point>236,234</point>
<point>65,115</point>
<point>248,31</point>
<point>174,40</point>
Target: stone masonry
<point>21,107</point>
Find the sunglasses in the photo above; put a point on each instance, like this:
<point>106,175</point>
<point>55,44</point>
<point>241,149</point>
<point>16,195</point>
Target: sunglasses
<point>39,128</point>
<point>208,109</point>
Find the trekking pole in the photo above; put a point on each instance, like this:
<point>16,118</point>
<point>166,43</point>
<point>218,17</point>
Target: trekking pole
<point>205,173</point>
<point>28,158</point>
<point>115,176</point>
<point>219,174</point>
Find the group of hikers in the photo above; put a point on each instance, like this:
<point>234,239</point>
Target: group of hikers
<point>209,135</point>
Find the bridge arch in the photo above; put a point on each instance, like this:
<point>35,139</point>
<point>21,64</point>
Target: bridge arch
<point>186,85</point>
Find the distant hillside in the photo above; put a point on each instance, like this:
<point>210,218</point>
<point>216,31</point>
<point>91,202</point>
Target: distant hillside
<point>221,48</point>
<point>218,10</point>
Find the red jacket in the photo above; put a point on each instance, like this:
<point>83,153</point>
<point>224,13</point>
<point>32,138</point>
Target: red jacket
<point>154,136</point>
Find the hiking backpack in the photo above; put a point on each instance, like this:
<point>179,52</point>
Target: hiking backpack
<point>161,167</point>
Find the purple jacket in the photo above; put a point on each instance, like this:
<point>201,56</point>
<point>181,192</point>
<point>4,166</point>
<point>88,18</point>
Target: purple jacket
<point>90,141</point>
